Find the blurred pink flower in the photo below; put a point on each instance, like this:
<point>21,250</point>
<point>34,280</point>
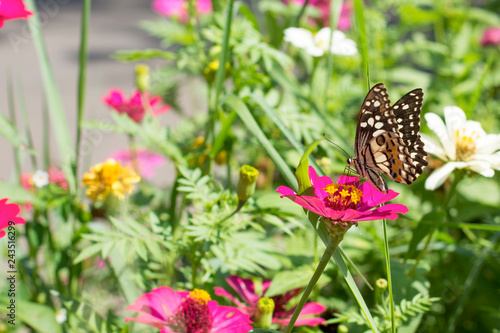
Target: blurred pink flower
<point>147,161</point>
<point>323,6</point>
<point>133,107</point>
<point>11,10</point>
<point>491,36</point>
<point>345,201</point>
<point>178,311</point>
<point>56,176</point>
<point>179,8</point>
<point>8,213</point>
<point>246,291</point>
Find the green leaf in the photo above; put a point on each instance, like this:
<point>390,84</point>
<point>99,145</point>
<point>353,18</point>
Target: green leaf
<point>16,193</point>
<point>54,101</point>
<point>241,109</point>
<point>9,131</point>
<point>134,55</point>
<point>288,280</point>
<point>39,317</point>
<point>426,225</point>
<point>88,252</point>
<point>302,172</point>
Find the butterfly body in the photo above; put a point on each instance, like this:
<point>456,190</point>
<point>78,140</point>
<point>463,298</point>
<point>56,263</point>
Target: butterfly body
<point>388,139</point>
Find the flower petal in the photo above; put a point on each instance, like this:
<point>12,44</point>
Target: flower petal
<point>488,144</point>
<point>373,197</point>
<point>319,183</point>
<point>437,125</point>
<point>229,319</point>
<point>299,37</point>
<point>389,211</point>
<point>438,177</point>
<point>433,147</point>
<point>245,289</point>
<point>223,293</point>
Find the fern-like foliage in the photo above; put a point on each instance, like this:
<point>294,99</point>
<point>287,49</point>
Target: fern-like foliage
<point>406,310</point>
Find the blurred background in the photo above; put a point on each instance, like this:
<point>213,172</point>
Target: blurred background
<point>114,25</point>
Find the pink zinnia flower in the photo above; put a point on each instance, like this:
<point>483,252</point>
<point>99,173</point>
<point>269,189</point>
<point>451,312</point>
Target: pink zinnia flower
<point>147,161</point>
<point>345,201</point>
<point>11,10</point>
<point>179,8</point>
<point>133,107</point>
<point>491,36</point>
<point>246,290</point>
<point>8,213</point>
<point>178,311</point>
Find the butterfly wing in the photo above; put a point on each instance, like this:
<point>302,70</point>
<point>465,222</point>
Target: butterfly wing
<point>387,138</point>
<point>407,112</point>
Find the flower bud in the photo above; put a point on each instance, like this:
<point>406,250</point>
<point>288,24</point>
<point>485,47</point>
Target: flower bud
<point>246,184</point>
<point>264,316</point>
<point>381,284</point>
<point>342,329</point>
<point>142,77</point>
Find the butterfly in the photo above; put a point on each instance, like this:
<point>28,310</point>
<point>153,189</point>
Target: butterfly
<point>388,139</point>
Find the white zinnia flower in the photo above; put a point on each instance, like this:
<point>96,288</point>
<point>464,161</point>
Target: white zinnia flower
<point>317,44</point>
<point>40,178</point>
<point>61,315</point>
<point>463,144</point>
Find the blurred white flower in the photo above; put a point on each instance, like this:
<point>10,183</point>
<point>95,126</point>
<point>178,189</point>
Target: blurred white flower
<point>317,44</point>
<point>61,315</point>
<point>40,178</point>
<point>463,144</point>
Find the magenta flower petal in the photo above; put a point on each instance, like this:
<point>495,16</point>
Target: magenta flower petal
<point>133,107</point>
<point>219,291</point>
<point>155,306</point>
<point>313,204</point>
<point>319,183</point>
<point>11,10</point>
<point>245,289</point>
<point>230,320</point>
<point>146,161</point>
<point>389,211</point>
<point>171,311</point>
<point>491,37</point>
<point>8,213</point>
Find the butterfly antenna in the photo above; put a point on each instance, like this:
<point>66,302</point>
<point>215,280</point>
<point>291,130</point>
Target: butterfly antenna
<point>336,145</point>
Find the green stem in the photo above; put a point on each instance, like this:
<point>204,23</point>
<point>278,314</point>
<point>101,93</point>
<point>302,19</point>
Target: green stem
<point>27,129</point>
<point>82,79</point>
<point>302,10</point>
<point>12,113</point>
<point>389,278</point>
<point>333,242</point>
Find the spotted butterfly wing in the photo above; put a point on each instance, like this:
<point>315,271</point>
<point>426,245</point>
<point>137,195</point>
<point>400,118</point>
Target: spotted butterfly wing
<point>388,139</point>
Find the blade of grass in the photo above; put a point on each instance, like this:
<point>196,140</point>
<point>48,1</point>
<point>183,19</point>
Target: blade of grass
<point>46,137</point>
<point>302,10</point>
<point>60,125</point>
<point>12,113</point>
<point>82,77</point>
<point>26,125</point>
<point>335,8</point>
<point>362,38</point>
<point>241,109</point>
<point>469,283</point>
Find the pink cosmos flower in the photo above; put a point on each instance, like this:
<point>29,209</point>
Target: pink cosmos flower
<point>11,10</point>
<point>345,201</point>
<point>179,8</point>
<point>147,161</point>
<point>178,311</point>
<point>8,213</point>
<point>491,37</point>
<point>246,290</point>
<point>133,107</point>
<point>323,6</point>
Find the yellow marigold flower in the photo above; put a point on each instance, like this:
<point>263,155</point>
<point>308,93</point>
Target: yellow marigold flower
<point>108,178</point>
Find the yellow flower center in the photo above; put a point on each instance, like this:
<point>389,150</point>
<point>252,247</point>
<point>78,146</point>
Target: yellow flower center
<point>342,197</point>
<point>200,296</point>
<point>465,143</point>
